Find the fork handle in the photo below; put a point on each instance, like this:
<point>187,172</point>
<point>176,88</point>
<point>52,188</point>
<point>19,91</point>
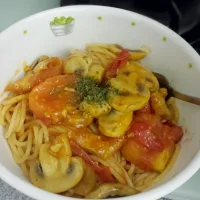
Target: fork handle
<point>184,97</point>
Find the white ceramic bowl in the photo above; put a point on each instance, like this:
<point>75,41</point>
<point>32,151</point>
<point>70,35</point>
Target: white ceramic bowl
<point>171,55</point>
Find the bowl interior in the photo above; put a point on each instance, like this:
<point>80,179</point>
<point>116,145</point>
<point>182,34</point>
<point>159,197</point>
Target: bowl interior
<point>170,55</point>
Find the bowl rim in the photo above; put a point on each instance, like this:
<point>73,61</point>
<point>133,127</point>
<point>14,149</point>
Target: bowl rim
<point>152,194</point>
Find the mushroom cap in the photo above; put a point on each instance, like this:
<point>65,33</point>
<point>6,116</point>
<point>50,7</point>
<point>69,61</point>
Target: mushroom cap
<point>114,189</point>
<point>87,183</point>
<point>115,123</point>
<point>61,182</point>
<point>133,92</point>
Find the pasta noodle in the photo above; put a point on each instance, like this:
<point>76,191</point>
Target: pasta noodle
<point>33,134</point>
<point>24,138</point>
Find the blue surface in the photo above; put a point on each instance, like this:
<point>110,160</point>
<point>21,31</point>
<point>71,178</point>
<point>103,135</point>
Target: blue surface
<point>8,193</point>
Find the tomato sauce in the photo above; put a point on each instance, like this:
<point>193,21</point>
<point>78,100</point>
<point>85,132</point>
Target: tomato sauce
<point>148,137</point>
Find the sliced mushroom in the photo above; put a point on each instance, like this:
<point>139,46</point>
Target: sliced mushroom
<point>107,190</point>
<point>78,64</point>
<point>61,150</point>
<point>96,72</point>
<point>95,109</point>
<point>147,76</point>
<point>87,183</point>
<point>132,93</point>
<point>48,162</point>
<point>55,157</point>
<point>115,123</point>
<point>56,171</point>
<point>78,119</point>
<point>60,182</point>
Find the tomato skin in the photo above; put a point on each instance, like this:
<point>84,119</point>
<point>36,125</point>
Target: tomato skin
<point>136,154</point>
<point>119,62</point>
<point>48,99</point>
<point>102,172</point>
<point>150,142</point>
<point>145,128</point>
<point>143,135</point>
<point>148,130</point>
<point>146,109</point>
<point>173,132</point>
<point>144,158</point>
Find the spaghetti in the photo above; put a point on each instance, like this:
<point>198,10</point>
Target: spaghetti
<point>44,112</point>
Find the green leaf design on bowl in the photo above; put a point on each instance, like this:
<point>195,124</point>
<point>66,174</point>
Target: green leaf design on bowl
<point>164,39</point>
<point>62,20</point>
<point>190,65</point>
<point>132,23</point>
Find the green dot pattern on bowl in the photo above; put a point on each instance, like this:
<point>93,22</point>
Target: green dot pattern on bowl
<point>164,39</point>
<point>99,18</point>
<point>132,23</point>
<point>25,32</point>
<point>190,65</point>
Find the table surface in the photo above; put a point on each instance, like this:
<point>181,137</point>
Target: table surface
<point>9,193</point>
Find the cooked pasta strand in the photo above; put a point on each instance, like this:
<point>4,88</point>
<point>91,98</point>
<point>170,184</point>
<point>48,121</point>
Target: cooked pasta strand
<point>26,134</point>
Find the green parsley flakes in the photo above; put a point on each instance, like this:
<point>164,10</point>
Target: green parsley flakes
<point>88,89</point>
